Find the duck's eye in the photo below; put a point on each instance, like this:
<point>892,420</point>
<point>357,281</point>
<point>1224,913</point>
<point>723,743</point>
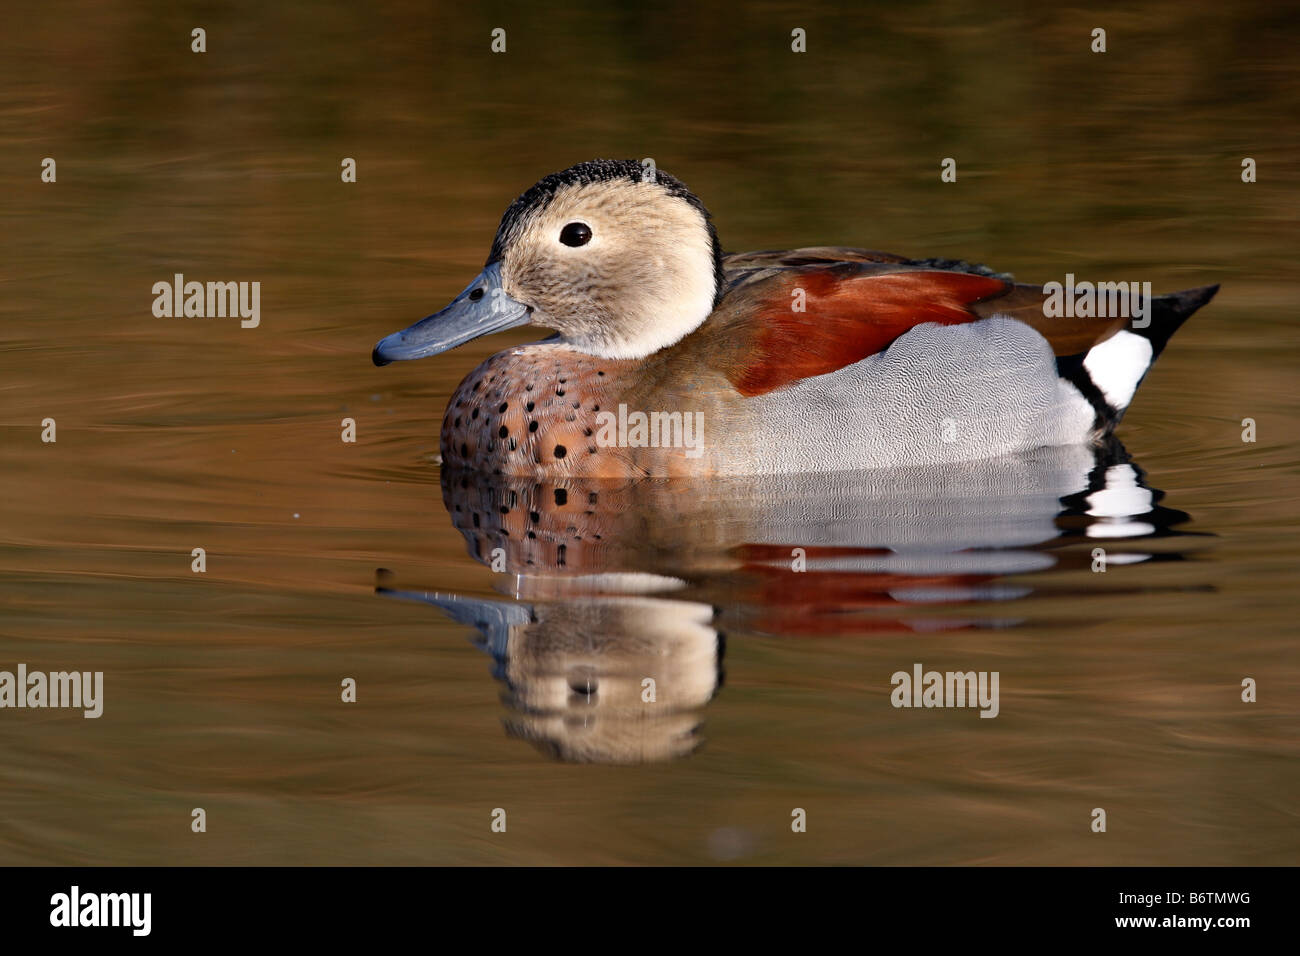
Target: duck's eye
<point>576,234</point>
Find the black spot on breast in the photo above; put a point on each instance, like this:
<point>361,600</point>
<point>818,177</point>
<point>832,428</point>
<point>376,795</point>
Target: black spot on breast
<point>503,432</point>
<point>561,497</point>
<point>560,451</point>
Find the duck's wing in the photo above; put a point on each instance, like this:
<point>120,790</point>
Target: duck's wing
<point>735,263</point>
<point>792,315</point>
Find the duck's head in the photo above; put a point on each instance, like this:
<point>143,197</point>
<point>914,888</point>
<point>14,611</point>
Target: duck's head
<point>618,258</point>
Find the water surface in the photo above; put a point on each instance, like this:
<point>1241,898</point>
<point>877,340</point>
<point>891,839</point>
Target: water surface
<point>520,689</point>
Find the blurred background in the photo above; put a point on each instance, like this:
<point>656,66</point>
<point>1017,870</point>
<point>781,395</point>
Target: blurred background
<point>222,689</point>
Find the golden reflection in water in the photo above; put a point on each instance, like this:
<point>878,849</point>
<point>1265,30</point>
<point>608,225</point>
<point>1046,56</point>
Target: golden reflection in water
<point>1119,690</point>
<point>604,660</point>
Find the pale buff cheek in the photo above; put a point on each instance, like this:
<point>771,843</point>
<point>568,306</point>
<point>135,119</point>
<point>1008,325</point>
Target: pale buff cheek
<point>621,304</point>
<point>537,284</point>
<point>573,301</point>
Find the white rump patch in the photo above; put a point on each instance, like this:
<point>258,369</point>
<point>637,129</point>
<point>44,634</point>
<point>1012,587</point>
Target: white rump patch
<point>1117,365</point>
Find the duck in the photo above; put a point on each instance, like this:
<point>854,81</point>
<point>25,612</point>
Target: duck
<point>669,358</point>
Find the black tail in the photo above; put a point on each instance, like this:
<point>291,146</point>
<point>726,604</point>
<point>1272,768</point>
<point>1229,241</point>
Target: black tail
<point>1169,312</point>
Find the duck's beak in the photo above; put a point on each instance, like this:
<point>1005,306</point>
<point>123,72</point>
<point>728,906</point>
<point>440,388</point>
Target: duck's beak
<point>481,309</point>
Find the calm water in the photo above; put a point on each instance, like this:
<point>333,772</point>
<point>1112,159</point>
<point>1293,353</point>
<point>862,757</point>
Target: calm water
<point>521,689</point>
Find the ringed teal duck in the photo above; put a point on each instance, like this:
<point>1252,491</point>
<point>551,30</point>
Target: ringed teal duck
<point>672,359</point>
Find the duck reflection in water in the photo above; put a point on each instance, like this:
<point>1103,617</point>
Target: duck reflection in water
<point>612,641</point>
